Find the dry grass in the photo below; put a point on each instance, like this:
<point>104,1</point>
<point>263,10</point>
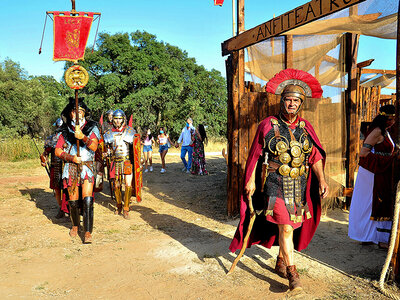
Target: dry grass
<point>17,149</point>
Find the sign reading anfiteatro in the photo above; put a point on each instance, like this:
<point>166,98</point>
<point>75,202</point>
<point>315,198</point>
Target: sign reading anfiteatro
<point>301,15</point>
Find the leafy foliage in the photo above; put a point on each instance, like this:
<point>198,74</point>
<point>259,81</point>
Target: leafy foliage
<point>155,82</point>
<point>28,104</point>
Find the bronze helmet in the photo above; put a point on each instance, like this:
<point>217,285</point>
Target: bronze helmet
<point>293,90</point>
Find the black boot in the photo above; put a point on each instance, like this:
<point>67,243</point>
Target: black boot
<point>75,217</point>
<point>88,218</point>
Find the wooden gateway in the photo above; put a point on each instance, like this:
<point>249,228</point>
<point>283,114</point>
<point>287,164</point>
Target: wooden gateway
<point>320,37</point>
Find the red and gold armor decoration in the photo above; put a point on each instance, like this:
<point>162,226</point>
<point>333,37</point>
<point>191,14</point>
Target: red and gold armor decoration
<point>138,182</point>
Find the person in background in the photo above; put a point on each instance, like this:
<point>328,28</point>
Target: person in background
<point>147,143</point>
<point>199,137</point>
<point>56,169</point>
<point>186,139</point>
<point>119,141</point>
<point>371,207</point>
<point>163,140</point>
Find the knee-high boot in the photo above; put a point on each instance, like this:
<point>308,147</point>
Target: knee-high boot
<point>75,217</point>
<point>118,197</point>
<point>127,196</point>
<point>88,218</point>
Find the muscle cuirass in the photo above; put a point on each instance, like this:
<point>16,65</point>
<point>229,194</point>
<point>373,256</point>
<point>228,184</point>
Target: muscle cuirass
<point>120,142</point>
<point>287,152</point>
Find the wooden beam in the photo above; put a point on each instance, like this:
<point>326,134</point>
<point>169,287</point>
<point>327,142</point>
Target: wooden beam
<point>365,63</point>
<point>288,51</point>
<point>352,126</point>
<point>304,14</point>
<point>378,71</point>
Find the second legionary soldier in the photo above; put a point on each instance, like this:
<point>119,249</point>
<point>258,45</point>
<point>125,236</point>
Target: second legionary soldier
<point>78,174</point>
<point>56,168</point>
<point>108,124</point>
<point>119,142</point>
<point>284,177</point>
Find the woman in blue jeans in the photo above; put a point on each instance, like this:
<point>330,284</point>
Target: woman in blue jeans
<point>164,143</point>
<point>147,143</point>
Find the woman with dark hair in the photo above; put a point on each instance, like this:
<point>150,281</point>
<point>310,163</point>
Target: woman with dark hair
<point>147,142</point>
<point>199,137</point>
<point>164,144</point>
<point>371,206</point>
<point>78,173</point>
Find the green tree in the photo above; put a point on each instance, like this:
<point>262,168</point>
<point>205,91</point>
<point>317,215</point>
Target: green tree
<point>28,103</point>
<point>155,82</point>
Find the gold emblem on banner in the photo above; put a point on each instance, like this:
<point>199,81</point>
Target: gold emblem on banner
<point>76,77</point>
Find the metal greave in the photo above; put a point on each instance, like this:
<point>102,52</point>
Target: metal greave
<point>88,214</point>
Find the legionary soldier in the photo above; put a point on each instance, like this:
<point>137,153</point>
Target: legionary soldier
<point>108,124</point>
<point>284,179</point>
<point>78,174</point>
<point>56,168</point>
<point>119,142</point>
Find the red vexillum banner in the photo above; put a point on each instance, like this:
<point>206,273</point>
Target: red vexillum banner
<point>71,34</point>
<point>218,2</point>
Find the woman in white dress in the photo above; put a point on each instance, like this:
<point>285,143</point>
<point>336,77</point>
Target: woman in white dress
<point>376,156</point>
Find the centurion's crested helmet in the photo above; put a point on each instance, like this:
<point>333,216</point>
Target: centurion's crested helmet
<point>295,83</point>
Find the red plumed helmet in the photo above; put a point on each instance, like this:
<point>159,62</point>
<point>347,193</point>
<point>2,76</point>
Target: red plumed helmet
<point>294,77</point>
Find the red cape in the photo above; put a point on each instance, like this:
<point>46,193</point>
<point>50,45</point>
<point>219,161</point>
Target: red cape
<point>265,233</point>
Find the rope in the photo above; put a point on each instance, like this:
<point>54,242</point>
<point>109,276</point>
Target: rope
<point>44,28</point>
<point>97,29</point>
<point>393,237</point>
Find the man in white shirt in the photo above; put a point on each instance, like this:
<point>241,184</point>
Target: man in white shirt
<point>186,139</point>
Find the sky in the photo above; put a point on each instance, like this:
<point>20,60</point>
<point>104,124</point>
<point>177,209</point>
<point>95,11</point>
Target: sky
<point>195,26</point>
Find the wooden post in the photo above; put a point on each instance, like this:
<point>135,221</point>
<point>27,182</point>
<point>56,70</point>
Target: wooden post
<point>394,263</point>
<point>288,51</point>
<point>229,184</point>
<point>352,124</point>
<point>233,192</point>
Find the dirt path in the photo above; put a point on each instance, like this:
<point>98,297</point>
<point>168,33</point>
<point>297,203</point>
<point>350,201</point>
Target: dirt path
<point>175,246</point>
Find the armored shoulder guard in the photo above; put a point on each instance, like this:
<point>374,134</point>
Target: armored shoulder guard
<point>51,141</point>
<point>108,137</point>
<point>129,135</point>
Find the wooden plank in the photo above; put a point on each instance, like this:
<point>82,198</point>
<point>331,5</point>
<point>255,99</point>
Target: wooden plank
<point>353,130</point>
<point>228,64</point>
<point>243,137</point>
<point>378,71</point>
<point>294,18</point>
<point>288,51</point>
